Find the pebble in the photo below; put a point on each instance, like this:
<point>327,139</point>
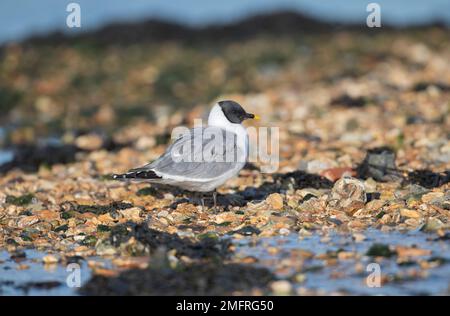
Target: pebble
<point>281,287</point>
<point>47,215</point>
<point>132,262</point>
<point>315,166</point>
<point>275,200</point>
<point>348,194</point>
<point>163,214</point>
<point>334,174</point>
<point>89,142</point>
<point>358,237</point>
<point>79,237</point>
<point>132,214</point>
<point>371,185</point>
<point>429,197</point>
<point>409,213</point>
<point>379,164</point>
<point>375,205</point>
<point>403,251</point>
<point>145,142</point>
<point>346,255</point>
<point>412,222</point>
<point>27,221</point>
<point>50,259</point>
<point>21,267</point>
<point>433,224</point>
<point>284,231</point>
<point>300,277</point>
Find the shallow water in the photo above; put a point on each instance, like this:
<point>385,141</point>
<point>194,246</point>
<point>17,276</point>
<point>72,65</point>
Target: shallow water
<point>6,156</point>
<point>344,277</point>
<point>39,278</point>
<point>319,277</point>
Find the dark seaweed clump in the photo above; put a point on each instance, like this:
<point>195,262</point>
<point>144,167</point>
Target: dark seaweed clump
<point>196,279</point>
<point>152,240</point>
<point>428,179</point>
<point>30,157</point>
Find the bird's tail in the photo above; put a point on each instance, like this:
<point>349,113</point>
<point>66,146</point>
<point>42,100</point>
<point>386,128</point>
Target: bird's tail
<point>137,174</point>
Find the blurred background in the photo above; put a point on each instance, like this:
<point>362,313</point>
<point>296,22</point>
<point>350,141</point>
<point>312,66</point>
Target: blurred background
<point>139,62</point>
<point>28,17</point>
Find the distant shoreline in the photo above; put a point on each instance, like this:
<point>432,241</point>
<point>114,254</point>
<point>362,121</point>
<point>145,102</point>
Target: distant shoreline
<point>277,23</point>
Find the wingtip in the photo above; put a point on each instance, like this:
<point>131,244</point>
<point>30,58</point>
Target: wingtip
<point>137,175</point>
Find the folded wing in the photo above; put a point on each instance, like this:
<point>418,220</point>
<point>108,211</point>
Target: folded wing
<point>201,154</point>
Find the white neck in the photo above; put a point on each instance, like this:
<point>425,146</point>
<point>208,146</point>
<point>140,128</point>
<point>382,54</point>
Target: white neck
<point>218,119</point>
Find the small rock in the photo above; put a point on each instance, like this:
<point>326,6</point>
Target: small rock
<point>300,278</point>
<point>315,166</point>
<point>275,200</point>
<point>409,213</point>
<point>358,237</point>
<point>348,194</point>
<point>89,142</point>
<point>371,185</point>
<point>284,231</point>
<point>429,197</point>
<point>27,221</point>
<point>22,267</point>
<point>50,259</point>
<point>281,287</point>
<point>145,142</point>
<point>379,164</point>
<point>312,205</point>
<point>302,253</point>
<point>248,231</point>
<point>105,249</point>
<point>334,174</point>
<point>163,214</point>
<point>304,232</point>
<point>132,263</point>
<point>385,219</point>
<point>132,214</point>
<point>375,205</point>
<point>346,255</point>
<point>433,224</point>
<point>79,237</point>
<point>225,217</point>
<point>412,252</point>
<point>106,272</point>
<point>412,222</point>
<point>411,191</point>
<point>47,215</point>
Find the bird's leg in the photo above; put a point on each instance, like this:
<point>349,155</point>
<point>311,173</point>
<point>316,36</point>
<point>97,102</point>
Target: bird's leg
<point>214,194</point>
<point>202,200</point>
<point>197,198</point>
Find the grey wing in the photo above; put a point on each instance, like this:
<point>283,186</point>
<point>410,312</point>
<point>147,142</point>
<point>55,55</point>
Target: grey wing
<point>203,153</point>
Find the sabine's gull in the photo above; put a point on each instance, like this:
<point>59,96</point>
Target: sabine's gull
<point>205,157</point>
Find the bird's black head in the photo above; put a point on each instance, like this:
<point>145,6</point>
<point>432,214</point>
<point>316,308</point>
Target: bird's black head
<point>234,112</point>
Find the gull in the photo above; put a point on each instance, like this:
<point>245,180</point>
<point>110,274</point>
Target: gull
<point>204,158</point>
